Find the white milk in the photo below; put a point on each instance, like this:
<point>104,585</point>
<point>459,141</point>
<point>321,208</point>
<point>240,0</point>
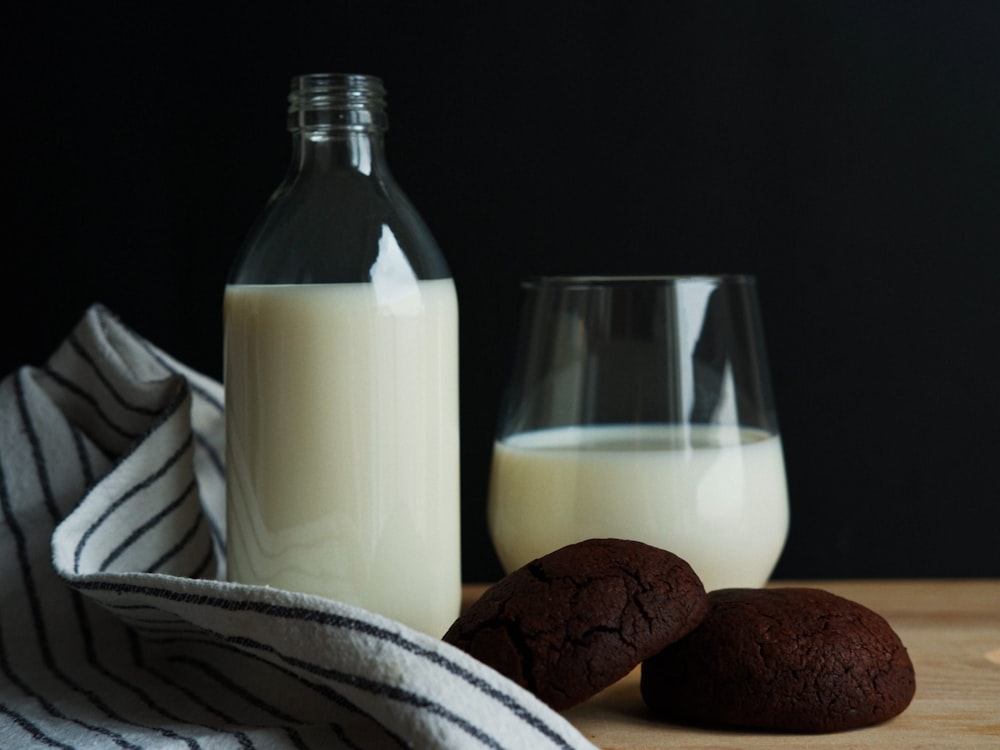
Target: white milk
<point>342,445</point>
<point>722,505</point>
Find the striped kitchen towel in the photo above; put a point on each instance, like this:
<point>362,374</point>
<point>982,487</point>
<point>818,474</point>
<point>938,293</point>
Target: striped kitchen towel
<point>117,627</point>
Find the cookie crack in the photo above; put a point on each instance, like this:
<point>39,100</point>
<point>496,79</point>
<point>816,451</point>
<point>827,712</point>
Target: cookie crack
<point>521,646</point>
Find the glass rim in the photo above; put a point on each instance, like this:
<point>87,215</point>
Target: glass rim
<point>594,281</point>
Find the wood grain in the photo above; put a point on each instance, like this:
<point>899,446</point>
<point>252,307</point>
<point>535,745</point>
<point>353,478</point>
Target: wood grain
<point>951,629</point>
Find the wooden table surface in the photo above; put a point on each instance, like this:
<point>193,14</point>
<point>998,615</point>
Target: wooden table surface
<point>951,629</point>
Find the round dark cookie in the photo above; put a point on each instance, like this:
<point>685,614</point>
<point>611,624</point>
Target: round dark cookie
<point>789,659</point>
<point>573,622</point>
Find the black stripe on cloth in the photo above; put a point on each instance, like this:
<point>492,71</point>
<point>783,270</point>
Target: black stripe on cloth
<point>235,689</point>
<point>211,453</point>
<point>342,736</point>
<point>41,632</point>
<point>214,640</point>
<point>67,384</point>
<point>86,468</point>
<point>204,564</point>
<point>140,662</point>
<point>36,449</point>
<point>173,624</point>
<point>204,393</point>
<point>126,684</point>
<point>170,627</point>
<point>251,698</point>
<point>28,578</point>
<point>386,691</point>
<point>143,528</point>
<point>35,601</point>
<point>232,644</point>
<point>86,632</point>
<point>82,352</point>
<point>32,729</point>
<point>206,396</point>
<point>219,538</point>
<point>303,614</point>
<point>188,635</point>
<point>181,543</point>
<point>51,709</point>
<point>131,492</point>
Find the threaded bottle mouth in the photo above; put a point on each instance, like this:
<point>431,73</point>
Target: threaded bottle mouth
<point>323,102</point>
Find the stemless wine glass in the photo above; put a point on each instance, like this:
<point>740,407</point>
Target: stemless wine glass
<point>641,408</point>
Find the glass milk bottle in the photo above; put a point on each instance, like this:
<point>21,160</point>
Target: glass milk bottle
<point>341,373</point>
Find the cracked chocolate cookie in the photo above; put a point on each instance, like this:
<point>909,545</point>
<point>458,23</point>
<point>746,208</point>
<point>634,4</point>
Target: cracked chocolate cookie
<point>570,623</point>
<point>791,659</point>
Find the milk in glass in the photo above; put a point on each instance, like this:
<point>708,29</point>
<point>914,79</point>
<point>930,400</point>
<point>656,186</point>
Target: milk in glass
<point>715,496</point>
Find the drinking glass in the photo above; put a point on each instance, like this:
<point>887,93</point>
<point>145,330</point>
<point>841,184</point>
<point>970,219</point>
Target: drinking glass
<point>641,408</point>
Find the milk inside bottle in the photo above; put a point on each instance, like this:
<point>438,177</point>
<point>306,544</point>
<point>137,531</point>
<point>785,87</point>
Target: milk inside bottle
<point>341,370</point>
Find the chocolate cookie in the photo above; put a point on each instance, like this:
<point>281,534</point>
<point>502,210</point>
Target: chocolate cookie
<point>792,659</point>
<point>571,623</point>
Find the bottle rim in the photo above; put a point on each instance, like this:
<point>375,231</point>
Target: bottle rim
<point>337,101</point>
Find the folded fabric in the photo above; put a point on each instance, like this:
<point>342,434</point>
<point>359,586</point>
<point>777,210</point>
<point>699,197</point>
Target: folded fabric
<point>117,627</point>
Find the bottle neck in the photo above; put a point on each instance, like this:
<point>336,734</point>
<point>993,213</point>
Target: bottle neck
<point>337,122</point>
<point>360,152</point>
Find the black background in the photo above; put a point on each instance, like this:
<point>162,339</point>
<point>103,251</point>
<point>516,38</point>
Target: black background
<point>847,153</point>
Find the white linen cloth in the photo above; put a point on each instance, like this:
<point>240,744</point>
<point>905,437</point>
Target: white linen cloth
<point>117,627</point>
